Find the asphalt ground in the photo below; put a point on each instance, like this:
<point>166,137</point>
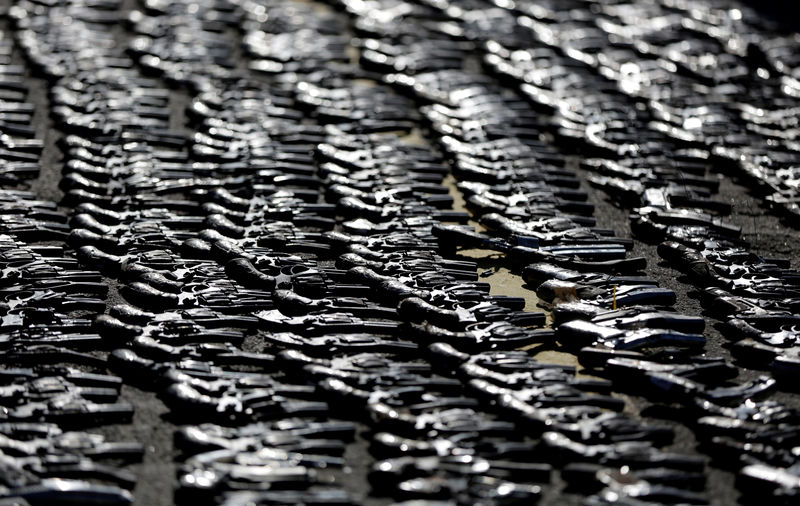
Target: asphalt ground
<point>153,426</point>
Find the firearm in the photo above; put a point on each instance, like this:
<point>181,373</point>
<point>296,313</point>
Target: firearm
<point>354,384</point>
<point>396,471</point>
<point>351,343</point>
<point>632,317</point>
<point>582,333</point>
<point>483,336</point>
<point>419,263</point>
<point>292,304</point>
<point>311,496</point>
<point>55,399</point>
<point>525,400</point>
<point>629,486</point>
<point>539,273</point>
<point>355,208</point>
<point>648,220</point>
<point>699,369</point>
<point>484,369</point>
<point>415,309</point>
<point>634,454</point>
<point>780,484</point>
<point>321,324</point>
<point>34,440</point>
<point>507,363</point>
<point>521,256</point>
<point>608,291</point>
<point>196,398</point>
<point>328,438</point>
<point>525,205</point>
<point>549,231</point>
<point>59,489</point>
<point>392,243</point>
<point>173,328</point>
<point>277,468</point>
<point>584,475</point>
